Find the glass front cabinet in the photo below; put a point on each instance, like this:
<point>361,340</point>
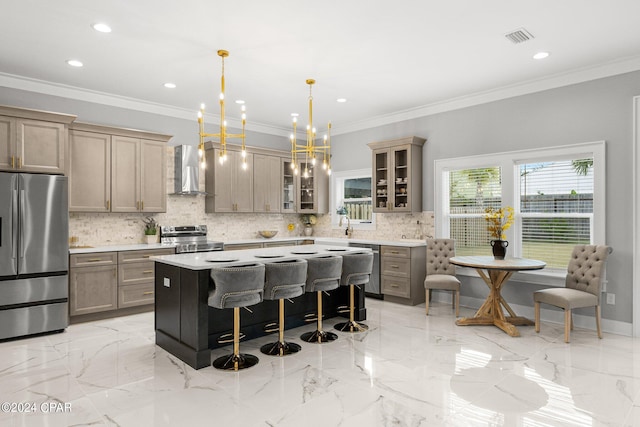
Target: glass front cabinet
<point>289,188</point>
<point>397,175</point>
<point>312,189</point>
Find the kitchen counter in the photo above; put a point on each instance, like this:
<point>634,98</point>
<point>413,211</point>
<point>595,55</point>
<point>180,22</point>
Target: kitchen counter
<point>119,248</point>
<point>411,243</point>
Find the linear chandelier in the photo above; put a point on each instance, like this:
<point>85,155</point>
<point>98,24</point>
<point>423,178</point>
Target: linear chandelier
<point>222,135</point>
<point>310,151</point>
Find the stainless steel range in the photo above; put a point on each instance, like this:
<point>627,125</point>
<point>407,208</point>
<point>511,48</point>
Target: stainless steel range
<point>189,238</point>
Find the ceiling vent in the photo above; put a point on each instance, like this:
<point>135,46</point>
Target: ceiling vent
<point>519,36</point>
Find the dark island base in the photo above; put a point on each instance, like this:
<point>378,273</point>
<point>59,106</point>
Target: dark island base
<point>188,328</point>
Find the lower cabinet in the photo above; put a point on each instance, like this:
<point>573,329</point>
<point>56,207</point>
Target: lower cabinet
<point>93,283</point>
<point>108,281</point>
<point>402,273</point>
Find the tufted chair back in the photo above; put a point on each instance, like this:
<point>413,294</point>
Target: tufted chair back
<point>586,268</point>
<point>238,286</point>
<point>438,253</point>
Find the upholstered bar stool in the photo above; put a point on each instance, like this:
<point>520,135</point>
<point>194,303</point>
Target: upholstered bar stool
<point>235,287</point>
<point>440,273</point>
<point>323,274</point>
<point>356,271</point>
<point>283,280</point>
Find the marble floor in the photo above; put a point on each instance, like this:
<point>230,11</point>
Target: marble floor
<point>407,370</point>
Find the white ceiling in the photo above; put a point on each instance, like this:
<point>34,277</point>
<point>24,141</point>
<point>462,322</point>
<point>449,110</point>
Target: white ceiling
<point>388,58</point>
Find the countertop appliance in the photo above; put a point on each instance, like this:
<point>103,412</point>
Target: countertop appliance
<point>372,289</point>
<point>189,238</point>
<point>34,254</point>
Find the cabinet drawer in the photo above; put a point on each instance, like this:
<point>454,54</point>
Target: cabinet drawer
<point>395,251</point>
<point>143,255</point>
<point>93,259</point>
<point>396,286</point>
<point>135,273</point>
<point>239,246</point>
<point>396,266</point>
<point>133,295</point>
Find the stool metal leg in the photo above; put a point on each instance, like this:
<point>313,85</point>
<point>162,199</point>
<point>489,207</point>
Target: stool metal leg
<point>351,325</point>
<point>281,347</point>
<point>319,336</point>
<point>237,360</point>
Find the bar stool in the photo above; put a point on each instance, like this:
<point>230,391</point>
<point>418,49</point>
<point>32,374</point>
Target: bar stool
<point>356,270</point>
<point>323,274</point>
<point>284,279</point>
<point>235,287</point>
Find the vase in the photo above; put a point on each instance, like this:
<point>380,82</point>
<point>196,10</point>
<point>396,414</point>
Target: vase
<point>499,248</point>
<point>308,230</point>
<point>151,238</point>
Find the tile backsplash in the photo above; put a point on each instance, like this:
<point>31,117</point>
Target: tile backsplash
<point>98,229</point>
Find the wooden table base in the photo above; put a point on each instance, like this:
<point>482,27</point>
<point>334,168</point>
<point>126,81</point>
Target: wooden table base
<point>491,313</point>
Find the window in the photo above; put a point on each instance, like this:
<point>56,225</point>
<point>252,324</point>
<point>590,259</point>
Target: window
<point>352,192</point>
<point>557,194</point>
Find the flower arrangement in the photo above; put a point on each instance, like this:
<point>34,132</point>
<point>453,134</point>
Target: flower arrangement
<point>498,221</point>
<point>309,219</point>
<point>150,226</point>
<point>291,226</point>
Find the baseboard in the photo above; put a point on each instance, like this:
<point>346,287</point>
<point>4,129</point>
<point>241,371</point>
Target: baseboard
<point>546,315</point>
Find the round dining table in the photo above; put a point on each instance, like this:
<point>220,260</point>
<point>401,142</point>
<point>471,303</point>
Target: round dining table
<point>495,273</point>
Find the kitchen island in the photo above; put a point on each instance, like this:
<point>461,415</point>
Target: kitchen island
<point>188,328</point>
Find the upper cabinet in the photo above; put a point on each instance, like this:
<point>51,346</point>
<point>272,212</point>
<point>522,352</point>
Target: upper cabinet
<point>116,170</point>
<point>313,185</point>
<point>397,175</point>
<point>289,187</point>
<point>266,183</point>
<point>33,141</point>
<point>229,186</point>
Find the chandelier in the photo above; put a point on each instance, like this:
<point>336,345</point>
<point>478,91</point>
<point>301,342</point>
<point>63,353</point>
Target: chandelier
<point>222,135</point>
<point>310,151</point>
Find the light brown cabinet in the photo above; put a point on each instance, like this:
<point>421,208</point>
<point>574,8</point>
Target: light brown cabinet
<point>397,175</point>
<point>109,281</point>
<point>232,184</point>
<point>116,170</point>
<point>289,187</point>
<point>93,283</point>
<point>313,189</point>
<point>89,171</point>
<point>33,141</point>
<point>402,273</point>
<point>136,277</point>
<point>266,183</point>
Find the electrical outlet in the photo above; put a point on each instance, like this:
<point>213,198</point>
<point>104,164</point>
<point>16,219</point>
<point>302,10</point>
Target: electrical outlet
<point>611,299</point>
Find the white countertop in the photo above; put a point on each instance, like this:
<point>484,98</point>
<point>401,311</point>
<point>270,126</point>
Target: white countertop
<point>208,260</point>
<point>120,248</point>
<point>322,240</point>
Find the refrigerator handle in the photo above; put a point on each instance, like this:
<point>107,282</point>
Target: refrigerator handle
<point>21,223</point>
<point>12,224</point>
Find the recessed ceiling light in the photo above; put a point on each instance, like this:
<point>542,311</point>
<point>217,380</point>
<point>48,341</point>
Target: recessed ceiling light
<point>239,101</point>
<point>170,85</point>
<point>74,63</point>
<point>101,27</point>
<point>341,100</point>
<point>294,114</point>
<point>541,55</point>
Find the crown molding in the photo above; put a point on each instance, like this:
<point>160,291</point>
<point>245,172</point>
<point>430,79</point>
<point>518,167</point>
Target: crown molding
<point>581,75</point>
<point>80,94</point>
<point>624,65</point>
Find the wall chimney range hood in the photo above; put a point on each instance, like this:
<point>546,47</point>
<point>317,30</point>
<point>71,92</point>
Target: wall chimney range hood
<point>187,170</point>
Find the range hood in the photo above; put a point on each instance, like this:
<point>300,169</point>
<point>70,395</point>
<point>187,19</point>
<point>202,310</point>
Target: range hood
<point>186,170</point>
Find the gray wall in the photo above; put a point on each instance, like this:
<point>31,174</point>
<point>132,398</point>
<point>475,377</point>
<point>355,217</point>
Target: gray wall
<point>597,110</point>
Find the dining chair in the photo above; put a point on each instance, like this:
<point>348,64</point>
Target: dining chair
<point>583,282</point>
<point>440,273</point>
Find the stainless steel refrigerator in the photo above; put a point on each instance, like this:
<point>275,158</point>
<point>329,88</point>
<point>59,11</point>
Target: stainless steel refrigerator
<point>34,254</point>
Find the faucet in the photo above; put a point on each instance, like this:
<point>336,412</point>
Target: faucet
<point>349,230</point>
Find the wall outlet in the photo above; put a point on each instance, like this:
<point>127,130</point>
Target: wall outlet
<point>611,299</point>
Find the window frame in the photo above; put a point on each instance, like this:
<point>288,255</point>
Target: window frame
<point>337,196</point>
<point>511,194</point>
